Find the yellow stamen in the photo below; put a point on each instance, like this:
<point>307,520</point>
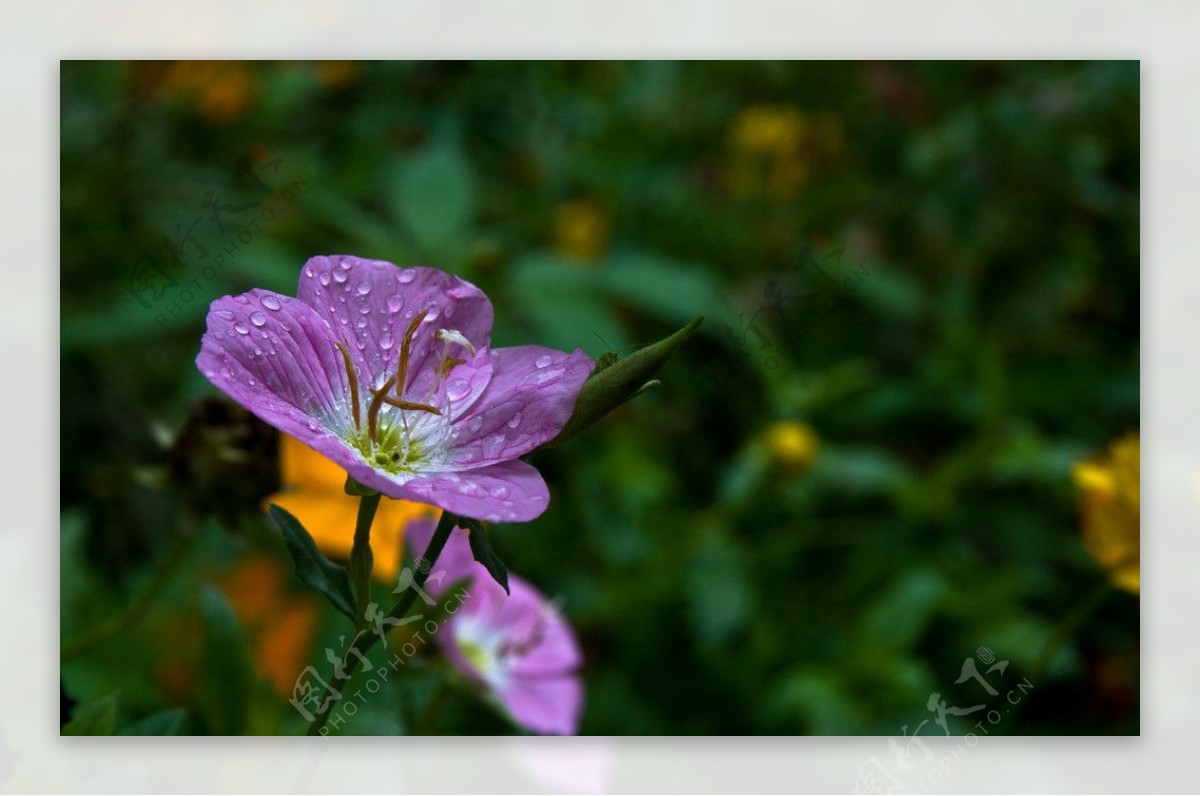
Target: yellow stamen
<point>446,365</point>
<point>402,372</point>
<point>353,384</point>
<point>412,405</point>
<point>373,410</point>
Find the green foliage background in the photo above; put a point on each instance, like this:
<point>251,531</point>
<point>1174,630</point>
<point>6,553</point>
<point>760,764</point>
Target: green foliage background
<point>977,335</point>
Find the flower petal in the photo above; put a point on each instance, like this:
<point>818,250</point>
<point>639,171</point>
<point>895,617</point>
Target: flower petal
<point>529,399</point>
<point>370,304</point>
<point>275,356</point>
<point>511,491</point>
<point>546,705</point>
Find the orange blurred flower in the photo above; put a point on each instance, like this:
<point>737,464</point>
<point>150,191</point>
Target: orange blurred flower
<point>1111,487</point>
<point>314,491</point>
<point>280,624</point>
<point>220,90</point>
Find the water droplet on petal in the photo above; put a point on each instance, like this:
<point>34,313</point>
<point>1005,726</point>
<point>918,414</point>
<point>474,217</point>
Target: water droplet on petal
<point>407,276</point>
<point>364,288</point>
<point>240,328</point>
<point>364,309</point>
<point>362,323</point>
<point>387,341</point>
<point>475,424</point>
<point>339,276</point>
<point>324,277</point>
<point>432,316</point>
<point>498,492</point>
<point>226,315</point>
<point>393,303</point>
<point>456,389</point>
<point>272,303</point>
<point>543,361</point>
<point>258,319</point>
<point>492,517</point>
<point>308,271</point>
<point>515,420</point>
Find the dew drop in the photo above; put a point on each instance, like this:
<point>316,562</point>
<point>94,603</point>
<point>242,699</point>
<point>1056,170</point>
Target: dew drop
<point>492,517</point>
<point>258,319</point>
<point>543,361</point>
<point>324,277</point>
<point>240,328</point>
<point>364,288</point>
<point>387,341</point>
<point>475,424</point>
<point>498,492</point>
<point>407,276</point>
<point>364,309</point>
<point>339,276</point>
<point>362,323</point>
<point>225,315</point>
<point>393,303</point>
<point>456,389</point>
<point>515,420</point>
<point>432,316</point>
<point>272,303</point>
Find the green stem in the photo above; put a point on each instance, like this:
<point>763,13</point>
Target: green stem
<point>137,608</point>
<point>361,559</point>
<point>366,641</point>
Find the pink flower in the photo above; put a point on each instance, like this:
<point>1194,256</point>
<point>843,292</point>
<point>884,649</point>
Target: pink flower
<point>389,372</point>
<point>516,645</point>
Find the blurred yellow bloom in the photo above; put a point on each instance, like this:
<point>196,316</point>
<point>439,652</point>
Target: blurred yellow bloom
<point>313,490</point>
<point>1111,487</point>
<point>335,74</point>
<point>581,229</point>
<point>280,624</point>
<point>221,90</point>
<point>792,445</point>
<point>776,148</point>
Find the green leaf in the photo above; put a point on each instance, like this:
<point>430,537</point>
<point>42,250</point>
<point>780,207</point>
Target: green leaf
<point>227,675</point>
<point>94,718</point>
<point>312,567</point>
<point>435,197</point>
<point>481,548</point>
<point>609,388</point>
<point>165,722</point>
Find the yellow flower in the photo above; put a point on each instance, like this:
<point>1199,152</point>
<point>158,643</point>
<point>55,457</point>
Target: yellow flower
<point>1111,488</point>
<point>581,229</point>
<point>792,445</point>
<point>776,149</point>
<point>313,490</point>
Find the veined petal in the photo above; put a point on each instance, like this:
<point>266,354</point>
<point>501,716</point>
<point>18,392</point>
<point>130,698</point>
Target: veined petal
<point>370,304</point>
<point>275,356</point>
<point>529,399</point>
<point>545,705</point>
<point>511,491</point>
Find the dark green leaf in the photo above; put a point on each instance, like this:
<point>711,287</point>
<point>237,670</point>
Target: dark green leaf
<point>165,722</point>
<point>481,548</point>
<point>312,566</point>
<point>227,674</point>
<point>94,718</point>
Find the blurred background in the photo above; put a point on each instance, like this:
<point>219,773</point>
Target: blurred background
<point>892,447</point>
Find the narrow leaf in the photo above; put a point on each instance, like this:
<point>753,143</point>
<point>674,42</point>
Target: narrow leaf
<point>165,722</point>
<point>481,548</point>
<point>227,674</point>
<point>94,718</point>
<point>312,566</point>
